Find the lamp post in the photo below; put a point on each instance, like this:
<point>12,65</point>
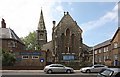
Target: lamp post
<point>93,56</point>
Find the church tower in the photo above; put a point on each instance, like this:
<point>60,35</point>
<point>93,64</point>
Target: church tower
<point>41,31</point>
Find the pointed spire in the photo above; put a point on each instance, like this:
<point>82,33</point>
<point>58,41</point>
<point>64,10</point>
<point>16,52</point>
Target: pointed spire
<point>41,24</point>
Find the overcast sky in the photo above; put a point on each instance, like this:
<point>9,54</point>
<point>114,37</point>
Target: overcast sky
<point>98,20</point>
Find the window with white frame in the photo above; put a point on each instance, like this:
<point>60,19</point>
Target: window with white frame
<point>104,49</point>
<point>100,59</point>
<point>105,58</point>
<point>115,56</point>
<point>25,57</point>
<point>11,44</point>
<point>95,51</point>
<point>99,50</point>
<point>115,45</point>
<point>96,57</point>
<point>35,57</point>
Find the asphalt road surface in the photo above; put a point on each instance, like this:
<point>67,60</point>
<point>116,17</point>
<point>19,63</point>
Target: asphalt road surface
<point>47,75</point>
<point>40,73</point>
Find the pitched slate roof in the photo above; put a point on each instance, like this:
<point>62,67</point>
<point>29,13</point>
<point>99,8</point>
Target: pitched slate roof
<point>7,33</point>
<point>105,43</point>
<point>115,33</point>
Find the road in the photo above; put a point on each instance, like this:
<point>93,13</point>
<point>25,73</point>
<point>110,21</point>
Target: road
<point>37,73</point>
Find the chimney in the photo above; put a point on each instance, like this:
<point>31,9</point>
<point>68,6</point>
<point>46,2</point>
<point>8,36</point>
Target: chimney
<point>53,26</point>
<point>3,24</point>
<point>54,23</point>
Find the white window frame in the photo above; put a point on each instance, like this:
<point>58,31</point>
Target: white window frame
<point>115,45</point>
<point>100,59</point>
<point>105,57</point>
<point>25,58</point>
<point>100,51</point>
<point>104,49</point>
<point>34,57</point>
<point>107,49</point>
<point>115,56</point>
<point>11,44</point>
<point>95,51</point>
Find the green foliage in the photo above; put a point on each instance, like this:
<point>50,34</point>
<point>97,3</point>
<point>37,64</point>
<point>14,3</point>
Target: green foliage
<point>85,63</point>
<point>8,59</point>
<point>30,41</point>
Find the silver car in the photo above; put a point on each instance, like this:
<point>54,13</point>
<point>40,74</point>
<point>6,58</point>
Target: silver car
<point>94,68</point>
<point>110,72</point>
<point>58,68</point>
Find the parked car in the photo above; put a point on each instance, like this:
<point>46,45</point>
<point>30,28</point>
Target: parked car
<point>58,68</point>
<point>111,72</point>
<point>94,68</point>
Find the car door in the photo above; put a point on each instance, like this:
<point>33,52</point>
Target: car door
<point>61,68</point>
<point>54,68</point>
<point>98,68</point>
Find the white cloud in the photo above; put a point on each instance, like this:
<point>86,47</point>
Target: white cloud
<point>60,9</point>
<point>70,3</point>
<point>23,15</point>
<point>108,17</point>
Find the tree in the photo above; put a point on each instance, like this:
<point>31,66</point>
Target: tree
<point>30,41</point>
<point>8,59</point>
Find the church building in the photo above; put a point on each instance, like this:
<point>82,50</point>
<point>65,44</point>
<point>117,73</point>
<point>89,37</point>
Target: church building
<point>66,45</point>
<point>67,40</point>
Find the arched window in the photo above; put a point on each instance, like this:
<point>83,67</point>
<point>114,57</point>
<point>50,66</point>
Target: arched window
<point>68,40</point>
<point>72,41</point>
<point>67,36</point>
<point>63,42</point>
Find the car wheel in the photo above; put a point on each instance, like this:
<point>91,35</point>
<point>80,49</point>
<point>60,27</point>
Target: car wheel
<point>68,71</point>
<point>49,71</point>
<point>88,71</point>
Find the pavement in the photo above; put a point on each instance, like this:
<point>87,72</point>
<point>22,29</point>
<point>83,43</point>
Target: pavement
<point>26,71</point>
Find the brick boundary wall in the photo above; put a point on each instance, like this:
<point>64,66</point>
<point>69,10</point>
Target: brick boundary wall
<point>22,68</point>
<point>41,67</point>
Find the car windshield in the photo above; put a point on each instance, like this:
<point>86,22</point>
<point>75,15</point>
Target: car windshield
<point>56,65</point>
<point>107,73</point>
<point>96,65</point>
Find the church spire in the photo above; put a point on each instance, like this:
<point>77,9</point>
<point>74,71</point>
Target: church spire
<point>41,24</point>
<point>41,31</point>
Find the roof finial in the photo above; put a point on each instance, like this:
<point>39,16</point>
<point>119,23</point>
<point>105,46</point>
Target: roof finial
<point>64,12</point>
<point>67,12</point>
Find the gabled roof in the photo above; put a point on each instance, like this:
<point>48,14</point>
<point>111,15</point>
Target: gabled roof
<point>7,33</point>
<point>65,19</point>
<point>115,33</point>
<point>103,44</point>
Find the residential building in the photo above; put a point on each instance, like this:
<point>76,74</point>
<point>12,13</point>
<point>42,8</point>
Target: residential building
<point>108,52</point>
<point>102,52</point>
<point>115,45</point>
<point>9,40</point>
